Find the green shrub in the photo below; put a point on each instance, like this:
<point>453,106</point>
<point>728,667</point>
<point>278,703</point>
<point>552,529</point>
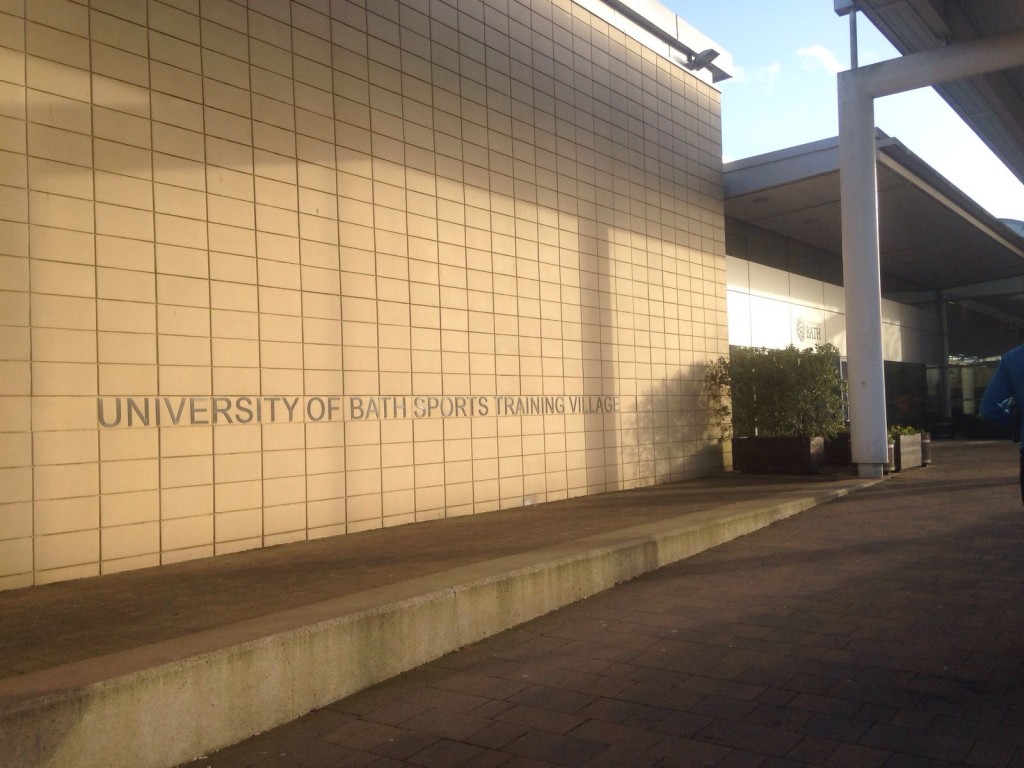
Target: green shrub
<point>777,392</point>
<point>898,430</point>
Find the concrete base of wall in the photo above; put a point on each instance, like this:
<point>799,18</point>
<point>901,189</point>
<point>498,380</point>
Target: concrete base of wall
<point>173,701</point>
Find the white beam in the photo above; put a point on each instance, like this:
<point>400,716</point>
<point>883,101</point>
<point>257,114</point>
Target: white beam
<point>858,88</point>
<point>940,65</point>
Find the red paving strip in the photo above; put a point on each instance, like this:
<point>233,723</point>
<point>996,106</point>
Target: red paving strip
<point>883,629</point>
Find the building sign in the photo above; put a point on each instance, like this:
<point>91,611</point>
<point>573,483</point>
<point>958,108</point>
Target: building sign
<point>808,331</point>
<point>256,409</point>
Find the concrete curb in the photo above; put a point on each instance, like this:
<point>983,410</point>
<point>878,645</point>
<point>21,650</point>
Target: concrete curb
<point>173,701</point>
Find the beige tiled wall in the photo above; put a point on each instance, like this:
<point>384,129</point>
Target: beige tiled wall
<point>305,199</point>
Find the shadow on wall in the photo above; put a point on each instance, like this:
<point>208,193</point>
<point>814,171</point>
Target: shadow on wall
<point>672,435</point>
<point>601,376</point>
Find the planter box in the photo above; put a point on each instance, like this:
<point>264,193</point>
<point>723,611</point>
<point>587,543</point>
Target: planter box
<point>907,452</point>
<point>838,451</point>
<point>778,455</point>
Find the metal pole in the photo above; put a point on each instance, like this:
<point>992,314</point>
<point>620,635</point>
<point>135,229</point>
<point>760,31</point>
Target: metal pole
<point>947,395</point>
<point>853,39</point>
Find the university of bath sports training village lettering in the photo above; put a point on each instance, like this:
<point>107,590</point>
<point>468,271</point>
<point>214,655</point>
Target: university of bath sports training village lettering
<point>261,409</point>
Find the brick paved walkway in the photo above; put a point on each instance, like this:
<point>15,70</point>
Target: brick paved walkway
<point>883,629</point>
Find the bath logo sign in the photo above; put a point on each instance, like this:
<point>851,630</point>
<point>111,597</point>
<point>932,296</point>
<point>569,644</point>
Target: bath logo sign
<point>808,331</point>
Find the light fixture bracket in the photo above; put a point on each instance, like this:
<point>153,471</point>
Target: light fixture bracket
<point>701,60</point>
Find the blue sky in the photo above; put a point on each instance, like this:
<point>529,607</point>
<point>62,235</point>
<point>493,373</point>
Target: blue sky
<point>783,92</point>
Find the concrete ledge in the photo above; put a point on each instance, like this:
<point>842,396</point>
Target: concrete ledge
<point>173,701</point>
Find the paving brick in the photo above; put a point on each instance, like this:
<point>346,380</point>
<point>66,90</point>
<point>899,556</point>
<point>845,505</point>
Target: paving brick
<point>778,716</point>
<point>542,719</point>
<point>988,755</point>
<point>914,742</point>
<point>856,690</point>
<point>733,689</point>
<point>444,754</point>
<point>316,753</point>
<point>979,729</point>
<point>386,762</point>
<point>616,734</point>
<point>679,751</point>
<point>446,723</point>
<point>435,676</point>
<point>594,685</point>
<point>497,735</point>
<point>725,707</point>
<point>879,713</point>
<point>610,710</point>
<point>558,749</point>
<point>626,757</point>
<point>554,699</point>
<point>397,712</point>
<point>487,759</point>
<point>898,760</point>
<point>904,718</point>
<point>740,758</point>
<point>1018,758</point>
<point>494,708</point>
<point>855,756</point>
<point>813,750</point>
<point>364,735</point>
<point>845,729</point>
<point>678,723</point>
<point>405,745</point>
<point>762,740</point>
<point>519,761</point>
<point>780,762</point>
<point>822,704</point>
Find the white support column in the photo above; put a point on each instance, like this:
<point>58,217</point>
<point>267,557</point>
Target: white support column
<point>858,88</point>
<point>861,277</point>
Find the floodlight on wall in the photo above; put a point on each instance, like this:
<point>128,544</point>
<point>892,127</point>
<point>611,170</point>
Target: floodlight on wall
<point>701,60</point>
<point>843,7</point>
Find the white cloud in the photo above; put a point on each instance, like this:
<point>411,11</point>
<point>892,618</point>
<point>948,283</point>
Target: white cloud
<point>820,57</point>
<point>761,74</point>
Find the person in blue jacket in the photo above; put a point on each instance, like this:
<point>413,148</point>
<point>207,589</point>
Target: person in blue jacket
<point>1004,392</point>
